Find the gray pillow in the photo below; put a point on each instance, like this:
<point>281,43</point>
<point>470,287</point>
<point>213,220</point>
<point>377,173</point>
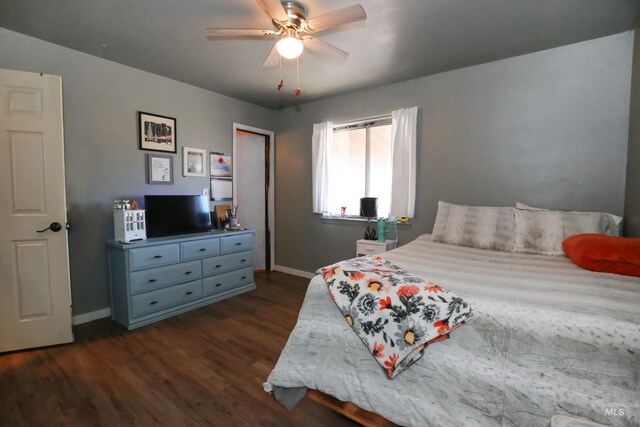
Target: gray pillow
<point>539,232</point>
<point>542,231</point>
<point>576,221</point>
<point>475,226</point>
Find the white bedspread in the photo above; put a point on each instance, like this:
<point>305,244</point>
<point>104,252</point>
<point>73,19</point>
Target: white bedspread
<point>548,338</point>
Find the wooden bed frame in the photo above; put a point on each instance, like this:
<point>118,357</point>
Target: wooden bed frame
<point>349,410</point>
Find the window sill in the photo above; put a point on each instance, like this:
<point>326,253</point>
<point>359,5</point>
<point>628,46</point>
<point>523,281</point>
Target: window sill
<point>354,219</point>
<point>343,218</point>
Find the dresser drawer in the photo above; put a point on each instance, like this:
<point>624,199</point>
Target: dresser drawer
<point>154,256</point>
<point>373,247</point>
<point>223,263</point>
<point>224,282</point>
<point>199,249</point>
<point>153,301</point>
<point>147,280</point>
<point>229,244</point>
<point>369,249</point>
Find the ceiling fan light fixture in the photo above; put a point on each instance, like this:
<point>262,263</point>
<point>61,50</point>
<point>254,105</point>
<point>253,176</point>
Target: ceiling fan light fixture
<point>290,46</point>
<point>289,18</point>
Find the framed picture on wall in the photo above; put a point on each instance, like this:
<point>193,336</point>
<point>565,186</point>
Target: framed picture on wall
<point>157,133</point>
<point>221,189</point>
<point>220,164</point>
<point>160,169</point>
<point>194,162</point>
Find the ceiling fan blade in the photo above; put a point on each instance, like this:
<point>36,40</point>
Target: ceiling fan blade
<point>325,49</point>
<point>272,59</point>
<point>275,9</point>
<point>238,32</point>
<point>336,18</point>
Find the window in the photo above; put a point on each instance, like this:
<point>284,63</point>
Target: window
<point>363,161</point>
<point>356,160</point>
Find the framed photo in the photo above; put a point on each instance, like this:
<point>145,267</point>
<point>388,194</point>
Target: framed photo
<point>220,165</point>
<point>221,189</point>
<point>194,162</point>
<point>157,133</point>
<point>160,170</point>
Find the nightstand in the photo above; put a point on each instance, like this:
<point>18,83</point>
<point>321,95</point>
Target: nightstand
<point>373,247</point>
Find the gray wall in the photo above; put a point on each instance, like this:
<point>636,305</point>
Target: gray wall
<point>549,129</point>
<point>632,196</point>
<point>102,159</point>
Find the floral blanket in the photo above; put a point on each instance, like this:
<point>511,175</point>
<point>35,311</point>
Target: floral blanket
<point>395,314</point>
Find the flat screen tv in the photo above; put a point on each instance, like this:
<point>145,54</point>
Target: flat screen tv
<point>171,215</point>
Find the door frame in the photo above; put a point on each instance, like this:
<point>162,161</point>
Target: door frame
<point>272,183</point>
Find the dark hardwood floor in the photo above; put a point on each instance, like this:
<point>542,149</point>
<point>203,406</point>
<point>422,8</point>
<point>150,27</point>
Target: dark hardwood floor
<point>205,367</point>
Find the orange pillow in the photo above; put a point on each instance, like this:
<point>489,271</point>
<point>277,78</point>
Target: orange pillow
<point>608,254</point>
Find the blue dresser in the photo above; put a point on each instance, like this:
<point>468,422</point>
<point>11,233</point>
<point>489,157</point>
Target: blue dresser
<point>161,277</point>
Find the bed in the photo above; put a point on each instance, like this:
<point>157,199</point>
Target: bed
<point>548,338</point>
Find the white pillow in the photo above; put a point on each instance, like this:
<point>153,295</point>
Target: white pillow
<point>575,221</point>
<point>475,226</point>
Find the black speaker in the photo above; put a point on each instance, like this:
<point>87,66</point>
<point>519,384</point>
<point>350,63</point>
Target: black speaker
<point>369,207</point>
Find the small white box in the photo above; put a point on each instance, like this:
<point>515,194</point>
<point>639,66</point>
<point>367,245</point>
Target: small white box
<point>129,225</point>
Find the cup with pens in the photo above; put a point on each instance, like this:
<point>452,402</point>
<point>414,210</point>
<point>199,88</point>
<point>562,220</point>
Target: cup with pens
<point>231,218</point>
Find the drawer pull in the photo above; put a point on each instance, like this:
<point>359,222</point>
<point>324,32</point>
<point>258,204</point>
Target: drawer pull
<point>218,284</point>
<point>244,277</point>
<point>188,292</point>
<point>369,250</point>
<point>243,260</point>
<point>203,249</point>
<point>187,273</point>
<point>158,256</point>
<point>153,302</point>
<point>218,265</point>
<point>152,280</point>
<point>239,244</point>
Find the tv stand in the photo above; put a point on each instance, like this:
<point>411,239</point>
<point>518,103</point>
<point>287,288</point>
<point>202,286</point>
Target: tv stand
<point>160,277</point>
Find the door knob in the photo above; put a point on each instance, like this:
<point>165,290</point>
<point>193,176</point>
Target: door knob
<point>54,226</point>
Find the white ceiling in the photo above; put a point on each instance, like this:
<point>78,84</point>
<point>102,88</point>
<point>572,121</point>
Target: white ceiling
<point>401,39</point>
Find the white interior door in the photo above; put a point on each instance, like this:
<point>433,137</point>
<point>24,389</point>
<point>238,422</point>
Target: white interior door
<point>249,181</point>
<point>249,160</point>
<point>35,293</point>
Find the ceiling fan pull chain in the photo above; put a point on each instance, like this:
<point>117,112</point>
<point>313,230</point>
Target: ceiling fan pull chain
<point>281,84</point>
<point>298,91</point>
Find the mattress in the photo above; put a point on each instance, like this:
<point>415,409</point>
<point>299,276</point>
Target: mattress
<point>548,338</point>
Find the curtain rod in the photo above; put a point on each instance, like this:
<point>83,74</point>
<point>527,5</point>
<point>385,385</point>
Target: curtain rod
<point>362,121</point>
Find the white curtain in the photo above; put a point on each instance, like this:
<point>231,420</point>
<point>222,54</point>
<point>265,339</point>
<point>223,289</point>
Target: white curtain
<point>403,148</point>
<point>321,146</point>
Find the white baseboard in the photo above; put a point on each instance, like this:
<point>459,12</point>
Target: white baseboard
<point>294,272</point>
<point>91,316</point>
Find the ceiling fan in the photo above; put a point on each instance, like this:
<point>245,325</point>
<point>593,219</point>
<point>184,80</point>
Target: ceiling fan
<point>294,29</point>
